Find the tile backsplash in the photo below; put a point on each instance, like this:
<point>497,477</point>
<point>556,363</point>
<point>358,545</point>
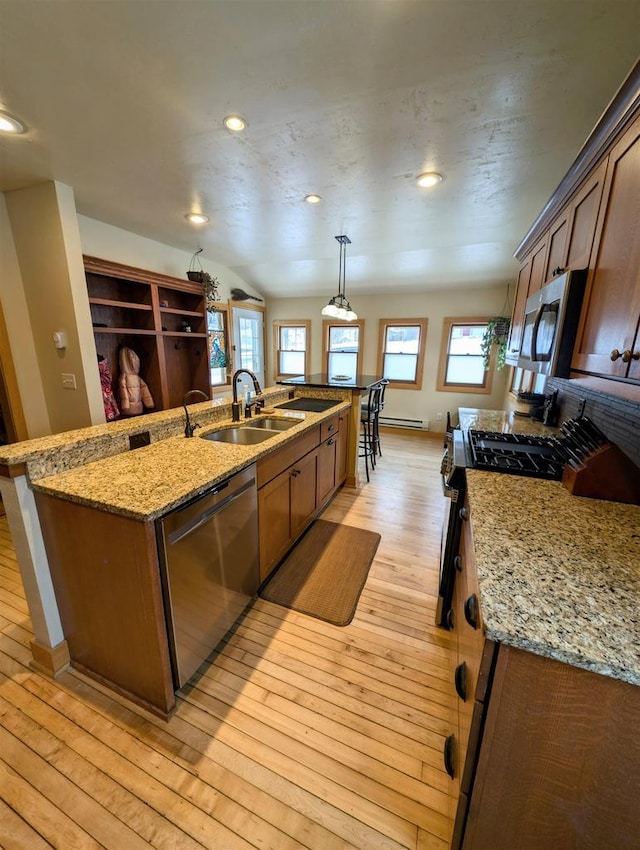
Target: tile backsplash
<point>618,418</point>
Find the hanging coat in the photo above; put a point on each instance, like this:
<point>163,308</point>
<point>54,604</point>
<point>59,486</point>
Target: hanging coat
<point>108,399</point>
<point>133,391</point>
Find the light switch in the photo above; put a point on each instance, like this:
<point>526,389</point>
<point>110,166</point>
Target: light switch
<point>60,339</point>
<point>69,381</point>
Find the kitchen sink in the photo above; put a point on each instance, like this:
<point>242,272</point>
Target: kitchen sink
<point>248,434</point>
<point>240,435</point>
<point>273,424</point>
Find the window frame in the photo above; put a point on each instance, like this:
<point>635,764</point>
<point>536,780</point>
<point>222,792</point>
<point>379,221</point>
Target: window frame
<point>383,324</point>
<point>276,327</point>
<point>448,323</point>
<point>327,324</point>
<point>223,309</point>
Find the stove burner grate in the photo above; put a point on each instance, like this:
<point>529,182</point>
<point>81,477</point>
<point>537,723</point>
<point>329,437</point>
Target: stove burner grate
<point>517,454</point>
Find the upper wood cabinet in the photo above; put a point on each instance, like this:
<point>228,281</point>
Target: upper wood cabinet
<point>608,334</point>
<point>161,318</point>
<point>582,219</point>
<point>530,279</point>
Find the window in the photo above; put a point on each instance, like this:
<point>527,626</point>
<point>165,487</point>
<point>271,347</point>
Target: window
<point>248,340</point>
<point>291,347</point>
<point>217,332</point>
<point>401,351</point>
<point>343,347</point>
<point>461,360</point>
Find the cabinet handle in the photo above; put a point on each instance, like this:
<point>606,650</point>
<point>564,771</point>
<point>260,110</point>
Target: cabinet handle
<point>331,427</point>
<point>449,619</point>
<point>615,354</point>
<point>330,441</point>
<point>450,755</point>
<point>471,610</point>
<point>558,270</point>
<point>295,473</point>
<point>460,681</point>
<point>463,513</point>
<point>628,355</point>
<point>457,563</point>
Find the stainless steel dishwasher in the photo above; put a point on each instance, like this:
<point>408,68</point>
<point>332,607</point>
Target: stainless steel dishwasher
<point>209,560</point>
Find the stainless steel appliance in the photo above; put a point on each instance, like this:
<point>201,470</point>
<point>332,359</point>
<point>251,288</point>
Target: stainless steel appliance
<point>209,560</point>
<point>551,323</point>
<point>454,489</point>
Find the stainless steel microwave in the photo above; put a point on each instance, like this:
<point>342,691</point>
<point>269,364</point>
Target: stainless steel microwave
<point>551,323</point>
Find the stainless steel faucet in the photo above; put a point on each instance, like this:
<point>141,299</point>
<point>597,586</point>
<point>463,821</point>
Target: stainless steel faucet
<point>236,406</point>
<point>189,428</point>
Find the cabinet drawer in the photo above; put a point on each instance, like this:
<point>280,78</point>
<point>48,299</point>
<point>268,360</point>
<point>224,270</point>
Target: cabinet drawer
<point>329,428</point>
<point>272,465</point>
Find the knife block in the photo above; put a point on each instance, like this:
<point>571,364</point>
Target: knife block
<point>606,473</point>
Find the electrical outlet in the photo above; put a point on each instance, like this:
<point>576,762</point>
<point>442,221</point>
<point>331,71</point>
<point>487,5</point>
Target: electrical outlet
<point>438,416</point>
<point>69,381</point>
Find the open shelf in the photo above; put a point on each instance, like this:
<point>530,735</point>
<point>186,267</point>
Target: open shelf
<point>147,312</point>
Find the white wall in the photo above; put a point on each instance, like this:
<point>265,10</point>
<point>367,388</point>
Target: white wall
<point>45,235</point>
<point>23,353</point>
<point>432,305</point>
<point>120,246</point>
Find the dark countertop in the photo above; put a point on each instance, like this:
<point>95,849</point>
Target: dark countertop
<point>357,382</point>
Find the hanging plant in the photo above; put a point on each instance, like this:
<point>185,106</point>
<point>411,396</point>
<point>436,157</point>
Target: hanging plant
<point>497,333</point>
<point>210,284</point>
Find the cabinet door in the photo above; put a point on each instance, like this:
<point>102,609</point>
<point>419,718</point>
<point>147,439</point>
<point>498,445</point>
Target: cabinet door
<point>582,221</point>
<point>557,246</point>
<point>326,468</point>
<point>559,760</point>
<point>274,509</point>
<point>303,491</point>
<point>612,303</point>
<point>538,266</point>
<point>517,319</point>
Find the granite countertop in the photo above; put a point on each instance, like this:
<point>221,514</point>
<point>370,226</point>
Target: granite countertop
<point>150,481</point>
<point>559,575</point>
<point>502,421</point>
<point>321,379</point>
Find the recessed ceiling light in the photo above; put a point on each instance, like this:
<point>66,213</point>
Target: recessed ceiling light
<point>197,218</point>
<point>9,124</point>
<point>312,198</point>
<point>429,178</point>
<point>234,123</point>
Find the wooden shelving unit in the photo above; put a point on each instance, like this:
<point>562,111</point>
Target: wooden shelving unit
<point>149,313</point>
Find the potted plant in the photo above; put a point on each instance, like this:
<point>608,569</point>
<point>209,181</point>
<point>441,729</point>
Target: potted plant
<point>497,333</point>
<point>210,284</point>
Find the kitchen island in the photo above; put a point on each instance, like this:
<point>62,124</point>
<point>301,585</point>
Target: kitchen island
<point>357,385</point>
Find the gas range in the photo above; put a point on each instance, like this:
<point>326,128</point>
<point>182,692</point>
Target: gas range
<point>515,454</point>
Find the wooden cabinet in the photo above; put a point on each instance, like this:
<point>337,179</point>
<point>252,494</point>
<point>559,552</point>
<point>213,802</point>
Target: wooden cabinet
<point>161,318</point>
<point>109,594</point>
<point>544,753</point>
<point>582,218</point>
<point>470,672</point>
<point>287,497</point>
<point>558,759</point>
<point>608,338</point>
<point>295,483</point>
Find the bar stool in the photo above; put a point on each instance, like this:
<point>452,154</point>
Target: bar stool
<point>368,418</point>
<point>376,419</point>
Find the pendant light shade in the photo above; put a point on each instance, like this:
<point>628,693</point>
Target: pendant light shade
<point>338,306</point>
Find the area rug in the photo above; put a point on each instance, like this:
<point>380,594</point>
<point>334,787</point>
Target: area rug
<point>325,572</point>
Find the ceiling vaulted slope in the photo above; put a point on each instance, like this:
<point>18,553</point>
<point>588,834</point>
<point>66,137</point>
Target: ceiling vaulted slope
<point>124,101</point>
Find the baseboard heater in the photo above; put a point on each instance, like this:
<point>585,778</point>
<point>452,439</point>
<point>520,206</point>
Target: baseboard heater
<point>398,422</point>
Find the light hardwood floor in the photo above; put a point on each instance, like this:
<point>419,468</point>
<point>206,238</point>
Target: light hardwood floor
<point>298,734</point>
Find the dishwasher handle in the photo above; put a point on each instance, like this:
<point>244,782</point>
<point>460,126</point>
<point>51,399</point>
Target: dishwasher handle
<point>184,530</point>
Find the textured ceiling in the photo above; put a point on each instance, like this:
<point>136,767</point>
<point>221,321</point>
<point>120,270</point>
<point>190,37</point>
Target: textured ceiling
<point>351,99</point>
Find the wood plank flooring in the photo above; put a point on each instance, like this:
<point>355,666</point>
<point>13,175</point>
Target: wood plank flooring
<point>297,734</point>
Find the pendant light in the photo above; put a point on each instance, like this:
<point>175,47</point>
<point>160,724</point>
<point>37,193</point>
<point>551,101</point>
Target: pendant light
<point>338,307</point>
